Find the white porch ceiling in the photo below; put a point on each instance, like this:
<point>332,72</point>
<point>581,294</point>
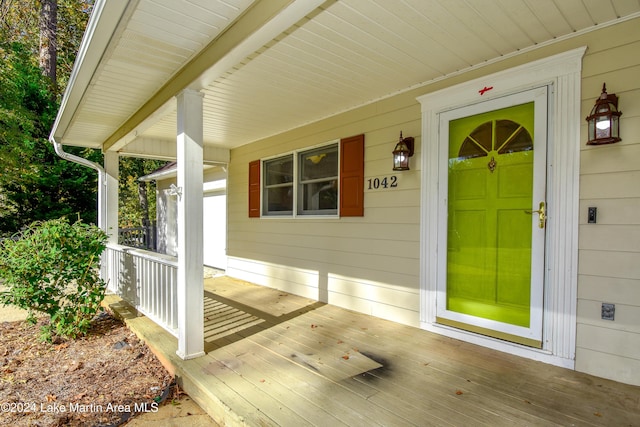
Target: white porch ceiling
<point>341,55</point>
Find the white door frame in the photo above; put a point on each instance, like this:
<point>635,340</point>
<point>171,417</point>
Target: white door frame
<point>562,73</point>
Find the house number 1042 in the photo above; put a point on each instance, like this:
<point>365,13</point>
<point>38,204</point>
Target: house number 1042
<point>384,182</point>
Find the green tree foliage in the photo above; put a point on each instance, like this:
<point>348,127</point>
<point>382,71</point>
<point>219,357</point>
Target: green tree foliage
<point>19,22</point>
<point>137,203</point>
<point>53,268</point>
<point>35,184</point>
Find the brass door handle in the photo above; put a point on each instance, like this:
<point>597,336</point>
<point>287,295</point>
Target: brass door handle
<point>542,216</point>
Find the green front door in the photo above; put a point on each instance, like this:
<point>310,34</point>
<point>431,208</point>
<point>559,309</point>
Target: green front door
<point>492,238</point>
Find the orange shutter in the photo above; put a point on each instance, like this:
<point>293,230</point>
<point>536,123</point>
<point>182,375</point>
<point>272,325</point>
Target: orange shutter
<point>254,189</point>
<point>352,176</point>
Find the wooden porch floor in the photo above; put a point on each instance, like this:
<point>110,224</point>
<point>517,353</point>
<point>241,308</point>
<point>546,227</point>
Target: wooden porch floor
<point>275,359</point>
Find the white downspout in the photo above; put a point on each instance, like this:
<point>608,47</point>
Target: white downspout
<point>102,214</point>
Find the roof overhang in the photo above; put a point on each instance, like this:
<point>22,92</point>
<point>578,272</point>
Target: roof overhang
<point>266,67</point>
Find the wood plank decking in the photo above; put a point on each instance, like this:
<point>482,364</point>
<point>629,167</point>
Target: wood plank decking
<point>275,359</point>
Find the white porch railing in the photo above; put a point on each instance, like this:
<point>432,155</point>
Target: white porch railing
<point>146,280</point>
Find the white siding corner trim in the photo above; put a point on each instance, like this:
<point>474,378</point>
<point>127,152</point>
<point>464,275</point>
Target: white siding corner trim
<point>562,74</point>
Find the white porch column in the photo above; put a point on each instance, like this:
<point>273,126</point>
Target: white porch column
<point>190,241</point>
<point>110,200</point>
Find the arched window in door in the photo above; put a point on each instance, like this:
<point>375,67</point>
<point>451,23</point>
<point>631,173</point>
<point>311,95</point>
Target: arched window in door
<point>501,136</point>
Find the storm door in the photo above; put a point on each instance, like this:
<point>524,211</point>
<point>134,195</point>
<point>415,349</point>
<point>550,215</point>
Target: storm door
<point>491,274</point>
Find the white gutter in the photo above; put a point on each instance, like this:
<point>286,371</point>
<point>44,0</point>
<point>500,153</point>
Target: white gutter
<point>102,194</point>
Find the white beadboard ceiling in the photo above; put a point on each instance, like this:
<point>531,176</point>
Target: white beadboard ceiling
<point>343,54</point>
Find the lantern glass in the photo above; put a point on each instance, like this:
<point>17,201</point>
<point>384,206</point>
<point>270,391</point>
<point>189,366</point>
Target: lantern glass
<point>603,127</point>
<point>401,157</point>
<point>615,127</point>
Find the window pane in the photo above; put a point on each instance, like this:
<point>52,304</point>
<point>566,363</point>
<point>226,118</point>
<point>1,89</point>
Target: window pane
<point>278,186</point>
<point>279,200</point>
<point>278,171</point>
<point>318,182</point>
<point>320,197</point>
<point>319,163</point>
<point>511,137</point>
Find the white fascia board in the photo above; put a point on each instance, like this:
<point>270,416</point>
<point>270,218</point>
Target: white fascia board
<point>102,25</point>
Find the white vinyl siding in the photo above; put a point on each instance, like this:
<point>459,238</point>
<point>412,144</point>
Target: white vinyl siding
<point>609,250</point>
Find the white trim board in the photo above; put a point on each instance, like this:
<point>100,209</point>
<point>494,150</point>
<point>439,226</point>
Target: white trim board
<point>562,74</point>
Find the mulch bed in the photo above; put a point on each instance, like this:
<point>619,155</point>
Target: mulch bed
<point>99,380</point>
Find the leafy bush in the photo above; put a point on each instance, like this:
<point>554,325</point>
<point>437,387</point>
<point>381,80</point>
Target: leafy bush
<point>52,267</point>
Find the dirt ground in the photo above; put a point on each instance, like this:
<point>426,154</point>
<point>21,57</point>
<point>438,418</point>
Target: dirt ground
<point>100,380</point>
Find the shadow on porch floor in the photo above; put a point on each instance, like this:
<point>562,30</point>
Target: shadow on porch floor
<point>274,359</point>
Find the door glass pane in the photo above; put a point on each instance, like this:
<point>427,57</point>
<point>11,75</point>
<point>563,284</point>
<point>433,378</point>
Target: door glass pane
<point>478,143</point>
<point>489,234</point>
<point>512,137</point>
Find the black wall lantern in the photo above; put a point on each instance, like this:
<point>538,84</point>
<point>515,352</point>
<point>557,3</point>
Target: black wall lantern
<point>402,152</point>
<point>604,120</point>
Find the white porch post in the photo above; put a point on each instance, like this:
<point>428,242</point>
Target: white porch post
<point>190,241</point>
<point>110,200</point>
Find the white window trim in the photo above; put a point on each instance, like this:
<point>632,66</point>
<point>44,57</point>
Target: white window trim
<point>296,184</point>
<point>562,73</point>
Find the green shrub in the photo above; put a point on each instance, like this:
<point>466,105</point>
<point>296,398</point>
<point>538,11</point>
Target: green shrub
<point>52,267</point>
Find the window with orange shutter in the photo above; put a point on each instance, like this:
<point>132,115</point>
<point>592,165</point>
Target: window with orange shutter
<point>326,181</point>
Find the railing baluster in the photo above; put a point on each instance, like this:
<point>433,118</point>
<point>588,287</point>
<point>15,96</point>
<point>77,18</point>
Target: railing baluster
<point>138,237</point>
<point>164,295</point>
<point>154,278</point>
